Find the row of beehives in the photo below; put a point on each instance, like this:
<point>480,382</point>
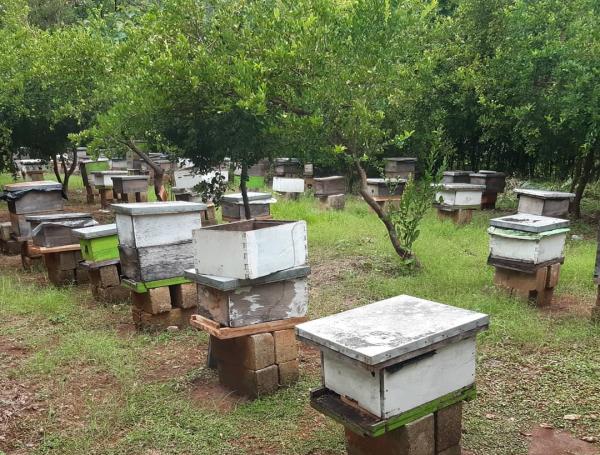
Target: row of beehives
<point>382,364</point>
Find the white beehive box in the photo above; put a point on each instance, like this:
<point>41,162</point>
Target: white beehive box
<point>459,195</point>
<point>288,185</point>
<point>528,238</point>
<point>104,178</point>
<point>156,223</point>
<point>544,203</point>
<point>155,238</point>
<point>238,303</point>
<point>397,354</point>
<point>249,249</point>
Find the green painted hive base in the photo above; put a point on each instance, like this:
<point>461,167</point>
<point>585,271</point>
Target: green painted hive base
<point>100,248</point>
<point>143,287</point>
<point>361,422</point>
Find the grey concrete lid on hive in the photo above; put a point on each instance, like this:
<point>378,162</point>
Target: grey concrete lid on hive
<point>157,208</point>
<point>460,186</point>
<point>379,181</point>
<point>229,284</point>
<point>43,184</point>
<point>491,173</point>
<point>405,159</point>
<point>385,330</point>
<point>325,179</point>
<point>456,173</point>
<point>544,194</point>
<point>94,232</point>
<point>529,223</point>
<point>109,173</point>
<point>53,217</point>
<point>286,160</point>
<point>131,177</point>
<point>252,196</point>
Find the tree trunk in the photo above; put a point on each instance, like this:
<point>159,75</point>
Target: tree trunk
<point>576,174</point>
<point>385,219</point>
<point>244,190</point>
<point>68,172</point>
<point>56,170</point>
<point>159,172</point>
<point>586,172</point>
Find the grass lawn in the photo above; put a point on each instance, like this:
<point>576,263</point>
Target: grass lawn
<point>76,379</point>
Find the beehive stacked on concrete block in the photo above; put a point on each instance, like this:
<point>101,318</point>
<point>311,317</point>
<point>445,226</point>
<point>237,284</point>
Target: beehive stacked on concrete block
<point>527,251</point>
<point>232,206</point>
<point>26,199</point>
<point>395,372</point>
<point>331,191</point>
<point>104,185</point>
<point>100,254</point>
<point>155,247</point>
<point>494,183</point>
<point>86,167</point>
<point>456,201</point>
<point>54,239</point>
<point>252,288</point>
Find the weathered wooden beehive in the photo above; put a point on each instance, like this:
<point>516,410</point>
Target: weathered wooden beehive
<point>155,238</point>
<point>236,303</point>
<point>28,198</point>
<point>104,178</point>
<point>398,359</point>
<point>457,177</point>
<point>328,186</point>
<point>544,203</point>
<point>232,206</point>
<point>127,184</point>
<point>287,167</point>
<point>527,239</point>
<point>400,167</point>
<point>56,229</point>
<point>98,243</point>
<point>249,249</point>
<point>386,187</point>
<point>494,181</point>
<point>459,195</point>
<point>288,185</point>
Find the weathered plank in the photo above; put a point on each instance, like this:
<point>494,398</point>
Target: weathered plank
<point>156,262</point>
<point>255,304</point>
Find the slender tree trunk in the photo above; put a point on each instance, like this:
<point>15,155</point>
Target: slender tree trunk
<point>576,174</point>
<point>385,219</point>
<point>244,190</point>
<point>586,172</point>
<point>55,167</point>
<point>159,172</point>
<point>68,171</point>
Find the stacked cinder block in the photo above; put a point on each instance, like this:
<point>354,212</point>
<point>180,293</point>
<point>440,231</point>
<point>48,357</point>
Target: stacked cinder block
<point>155,247</point>
<point>252,290</point>
<point>100,254</point>
<point>395,374</point>
<point>86,167</point>
<point>527,252</point>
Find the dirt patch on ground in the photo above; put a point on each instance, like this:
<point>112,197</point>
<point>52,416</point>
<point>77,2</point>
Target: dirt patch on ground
<point>207,393</point>
<point>172,359</point>
<point>547,441</point>
<point>569,305</point>
<point>310,360</point>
